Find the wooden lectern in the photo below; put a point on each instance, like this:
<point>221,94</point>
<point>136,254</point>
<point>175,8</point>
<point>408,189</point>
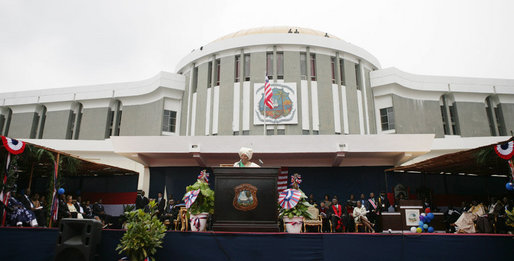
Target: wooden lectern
<point>246,199</point>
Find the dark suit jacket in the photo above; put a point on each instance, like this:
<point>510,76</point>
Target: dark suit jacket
<point>141,202</point>
<point>161,205</point>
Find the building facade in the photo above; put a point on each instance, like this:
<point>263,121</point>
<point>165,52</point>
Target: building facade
<point>322,85</point>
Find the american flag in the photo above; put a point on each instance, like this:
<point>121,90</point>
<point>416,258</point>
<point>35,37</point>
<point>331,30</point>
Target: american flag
<point>268,94</point>
<point>282,180</point>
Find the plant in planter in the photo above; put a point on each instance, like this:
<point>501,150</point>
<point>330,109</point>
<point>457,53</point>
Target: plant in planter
<point>143,236</point>
<point>293,205</point>
<point>199,199</point>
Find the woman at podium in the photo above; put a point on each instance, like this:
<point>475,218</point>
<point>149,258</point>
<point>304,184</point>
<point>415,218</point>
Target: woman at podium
<point>245,155</point>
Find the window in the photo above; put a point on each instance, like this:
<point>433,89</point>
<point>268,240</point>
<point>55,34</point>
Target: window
<point>246,66</point>
<point>453,120</point>
<point>195,80</point>
<point>114,119</point>
<point>218,66</point>
<point>445,121</point>
<point>341,72</point>
<point>500,122</point>
<point>209,75</point>
<point>270,132</point>
<point>315,132</point>
<point>495,117</point>
<point>280,65</point>
<point>303,66</point>
<point>246,132</point>
<point>281,132</point>
<point>75,119</point>
<point>313,67</point>
<point>333,67</point>
<point>387,118</point>
<point>169,121</point>
<point>236,70</point>
<point>269,65</point>
<point>358,76</point>
<point>235,133</point>
<point>305,132</point>
<point>39,123</point>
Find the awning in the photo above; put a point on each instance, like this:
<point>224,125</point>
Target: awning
<point>479,161</point>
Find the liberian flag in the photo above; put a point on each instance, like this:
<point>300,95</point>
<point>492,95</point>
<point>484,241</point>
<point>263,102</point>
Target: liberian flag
<point>268,94</point>
<point>282,180</point>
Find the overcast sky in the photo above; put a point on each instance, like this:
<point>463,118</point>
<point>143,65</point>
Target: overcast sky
<point>58,43</point>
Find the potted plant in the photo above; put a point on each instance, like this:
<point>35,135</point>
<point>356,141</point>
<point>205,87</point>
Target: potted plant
<point>143,236</point>
<point>293,206</point>
<point>199,199</point>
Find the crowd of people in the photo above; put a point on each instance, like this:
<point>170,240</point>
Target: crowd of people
<point>340,216</point>
<point>167,212</point>
<point>363,214</point>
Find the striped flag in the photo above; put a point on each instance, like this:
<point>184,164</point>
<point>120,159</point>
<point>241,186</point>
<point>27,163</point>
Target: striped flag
<point>55,200</point>
<point>282,180</point>
<point>268,94</point>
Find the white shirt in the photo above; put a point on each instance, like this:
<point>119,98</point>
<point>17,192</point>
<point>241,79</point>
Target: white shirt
<point>249,165</point>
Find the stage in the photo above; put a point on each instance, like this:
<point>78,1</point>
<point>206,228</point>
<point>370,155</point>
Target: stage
<point>39,244</point>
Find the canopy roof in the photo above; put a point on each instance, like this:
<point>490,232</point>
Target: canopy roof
<point>478,161</point>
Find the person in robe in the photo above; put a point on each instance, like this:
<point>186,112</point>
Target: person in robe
<point>324,212</point>
<point>466,221</point>
<point>337,216</point>
<point>72,208</point>
<point>359,216</point>
<point>245,155</point>
<point>18,215</point>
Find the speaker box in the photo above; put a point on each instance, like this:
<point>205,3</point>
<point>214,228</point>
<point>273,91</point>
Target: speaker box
<point>78,239</point>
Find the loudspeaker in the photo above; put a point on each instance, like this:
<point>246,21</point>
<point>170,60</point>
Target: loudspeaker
<point>78,239</point>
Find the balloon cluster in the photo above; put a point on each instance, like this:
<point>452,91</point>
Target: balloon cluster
<point>424,223</point>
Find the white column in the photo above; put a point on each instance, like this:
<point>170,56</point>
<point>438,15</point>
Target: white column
<point>208,112</point>
<point>305,105</point>
<point>337,113</point>
<point>236,106</point>
<point>215,109</point>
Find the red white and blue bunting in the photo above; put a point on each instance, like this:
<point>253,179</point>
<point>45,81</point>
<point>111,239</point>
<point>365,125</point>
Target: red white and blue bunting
<point>190,197</point>
<point>296,179</point>
<point>13,146</point>
<point>505,150</point>
<point>289,198</point>
<point>203,176</point>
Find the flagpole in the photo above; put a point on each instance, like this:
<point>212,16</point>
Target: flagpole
<point>264,103</point>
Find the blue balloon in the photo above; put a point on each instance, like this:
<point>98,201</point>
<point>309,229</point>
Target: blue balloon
<point>421,223</point>
<point>60,191</point>
<point>430,230</point>
<point>430,216</point>
<point>509,186</point>
<point>425,226</point>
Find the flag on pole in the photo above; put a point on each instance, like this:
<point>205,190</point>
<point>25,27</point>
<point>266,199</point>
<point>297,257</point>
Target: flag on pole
<point>282,180</point>
<point>268,94</point>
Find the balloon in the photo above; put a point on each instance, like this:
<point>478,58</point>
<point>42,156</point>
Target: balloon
<point>421,223</point>
<point>413,229</point>
<point>425,226</point>
<point>422,218</point>
<point>60,191</point>
<point>509,186</point>
<point>430,230</point>
<point>423,214</point>
<point>427,210</point>
<point>430,216</point>
<point>419,230</point>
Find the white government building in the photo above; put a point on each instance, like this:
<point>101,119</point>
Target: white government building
<point>334,106</point>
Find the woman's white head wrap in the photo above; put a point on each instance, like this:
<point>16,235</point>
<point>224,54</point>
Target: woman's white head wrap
<point>247,151</point>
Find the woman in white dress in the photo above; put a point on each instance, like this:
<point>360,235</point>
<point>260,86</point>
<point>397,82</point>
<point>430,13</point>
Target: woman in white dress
<point>72,209</point>
<point>245,155</point>
<point>359,216</point>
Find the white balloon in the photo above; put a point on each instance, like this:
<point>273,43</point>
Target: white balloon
<point>413,229</point>
<point>423,214</point>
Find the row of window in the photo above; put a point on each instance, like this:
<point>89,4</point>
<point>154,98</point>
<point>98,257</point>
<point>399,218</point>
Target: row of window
<point>307,69</point>
<point>450,119</point>
<point>73,130</point>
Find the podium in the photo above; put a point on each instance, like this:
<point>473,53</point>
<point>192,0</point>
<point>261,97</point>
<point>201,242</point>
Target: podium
<point>246,199</point>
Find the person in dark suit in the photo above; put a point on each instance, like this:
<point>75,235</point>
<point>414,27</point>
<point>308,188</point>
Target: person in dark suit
<point>98,210</point>
<point>170,213</point>
<point>26,201</point>
<point>372,207</point>
<point>141,200</point>
<point>161,204</point>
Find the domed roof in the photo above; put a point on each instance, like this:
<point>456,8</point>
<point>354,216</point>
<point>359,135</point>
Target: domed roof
<point>276,30</point>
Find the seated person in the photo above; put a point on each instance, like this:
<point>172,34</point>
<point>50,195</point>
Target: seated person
<point>170,212</point>
<point>324,211</point>
<point>72,209</point>
<point>88,211</point>
<point>245,155</point>
<point>98,209</point>
<point>38,210</point>
<point>450,217</point>
<point>18,215</point>
<point>466,221</point>
<point>337,216</point>
<point>359,216</point>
